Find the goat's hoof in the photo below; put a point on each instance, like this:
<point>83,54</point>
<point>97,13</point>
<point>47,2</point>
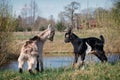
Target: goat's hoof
<point>42,70</point>
<point>20,70</point>
<point>37,69</point>
<point>76,66</point>
<point>31,72</point>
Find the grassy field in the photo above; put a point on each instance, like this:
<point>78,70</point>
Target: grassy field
<point>59,48</point>
<point>99,71</point>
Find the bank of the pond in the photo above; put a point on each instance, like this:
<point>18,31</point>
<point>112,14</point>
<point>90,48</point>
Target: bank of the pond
<point>99,71</point>
<point>61,61</point>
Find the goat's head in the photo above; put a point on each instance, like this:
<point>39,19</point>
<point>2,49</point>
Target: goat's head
<point>68,35</point>
<point>51,32</point>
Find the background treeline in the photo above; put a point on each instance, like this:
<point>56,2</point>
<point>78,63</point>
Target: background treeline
<point>70,16</point>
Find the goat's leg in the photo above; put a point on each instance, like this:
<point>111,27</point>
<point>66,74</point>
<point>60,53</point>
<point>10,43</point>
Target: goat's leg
<point>75,59</point>
<point>20,64</point>
<point>101,55</point>
<point>41,62</point>
<point>82,61</point>
<point>30,65</point>
<point>31,62</point>
<point>37,65</point>
<point>82,58</point>
<point>41,65</point>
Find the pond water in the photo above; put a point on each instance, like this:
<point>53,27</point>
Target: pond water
<point>61,61</point>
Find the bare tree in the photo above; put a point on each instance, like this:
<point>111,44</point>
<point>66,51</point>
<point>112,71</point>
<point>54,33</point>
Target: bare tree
<point>5,14</point>
<point>51,20</point>
<point>70,11</point>
<point>62,20</point>
<point>24,13</point>
<point>61,17</point>
<point>33,11</point>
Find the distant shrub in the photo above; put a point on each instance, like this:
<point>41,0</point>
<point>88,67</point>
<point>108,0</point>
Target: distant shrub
<point>42,28</point>
<point>29,29</point>
<point>60,26</point>
<point>21,29</point>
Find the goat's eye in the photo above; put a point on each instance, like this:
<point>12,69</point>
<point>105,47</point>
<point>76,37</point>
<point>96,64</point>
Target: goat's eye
<point>52,32</point>
<point>67,36</point>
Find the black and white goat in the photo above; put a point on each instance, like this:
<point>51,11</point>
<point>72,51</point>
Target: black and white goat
<point>86,45</point>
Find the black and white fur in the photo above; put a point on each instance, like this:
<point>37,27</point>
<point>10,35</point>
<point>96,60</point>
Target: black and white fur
<point>86,45</point>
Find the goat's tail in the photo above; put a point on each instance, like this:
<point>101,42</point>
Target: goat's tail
<point>102,38</point>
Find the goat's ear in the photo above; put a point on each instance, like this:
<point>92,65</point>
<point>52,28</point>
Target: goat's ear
<point>69,30</point>
<point>34,38</point>
<point>49,26</point>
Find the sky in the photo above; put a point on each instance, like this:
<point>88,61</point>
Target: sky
<point>54,7</point>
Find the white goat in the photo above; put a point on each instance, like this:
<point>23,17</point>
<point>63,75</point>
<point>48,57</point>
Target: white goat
<point>32,50</point>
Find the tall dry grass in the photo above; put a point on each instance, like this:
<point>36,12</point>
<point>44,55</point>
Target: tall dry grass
<point>6,38</point>
<point>112,40</point>
<point>11,42</point>
<point>5,46</point>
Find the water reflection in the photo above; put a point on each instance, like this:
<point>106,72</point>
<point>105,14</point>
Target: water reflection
<point>62,61</point>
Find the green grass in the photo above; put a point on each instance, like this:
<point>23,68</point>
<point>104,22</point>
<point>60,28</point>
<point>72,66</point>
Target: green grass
<point>21,37</point>
<point>99,71</point>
